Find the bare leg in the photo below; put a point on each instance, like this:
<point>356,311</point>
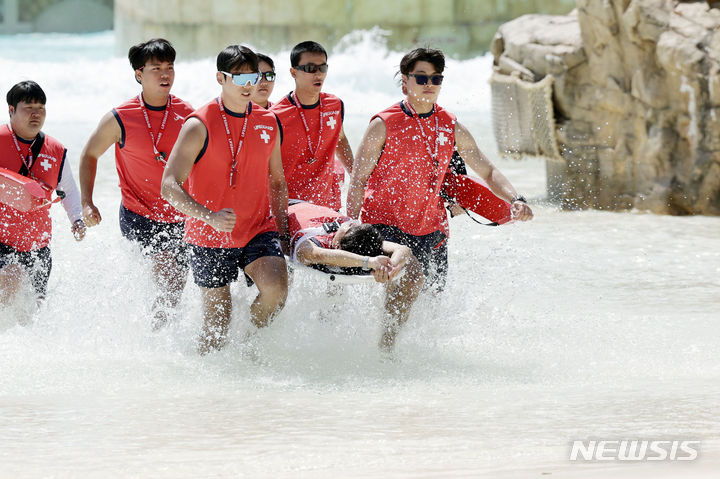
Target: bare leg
<point>399,298</point>
<point>217,306</point>
<point>170,280</point>
<point>10,280</point>
<point>270,276</point>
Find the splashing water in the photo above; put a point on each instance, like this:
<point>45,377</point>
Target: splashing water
<point>575,325</point>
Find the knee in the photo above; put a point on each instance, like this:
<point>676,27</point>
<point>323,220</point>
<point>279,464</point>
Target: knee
<point>10,280</point>
<point>275,291</point>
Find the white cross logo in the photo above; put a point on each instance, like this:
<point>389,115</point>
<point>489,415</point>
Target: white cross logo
<point>264,136</point>
<point>45,164</point>
<point>442,139</point>
<point>331,122</point>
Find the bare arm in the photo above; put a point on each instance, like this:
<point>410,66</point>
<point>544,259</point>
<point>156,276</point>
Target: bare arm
<point>105,135</point>
<point>367,157</point>
<point>498,183</point>
<point>309,253</point>
<point>343,152</point>
<point>399,256</point>
<point>182,158</point>
<point>278,190</point>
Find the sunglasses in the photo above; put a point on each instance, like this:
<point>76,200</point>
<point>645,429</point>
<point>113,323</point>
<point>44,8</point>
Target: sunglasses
<point>312,67</point>
<point>268,76</point>
<point>421,79</point>
<point>242,79</point>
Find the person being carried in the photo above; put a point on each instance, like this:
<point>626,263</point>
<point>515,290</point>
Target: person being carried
<point>25,236</point>
<point>402,161</point>
<point>144,130</point>
<point>226,174</point>
<point>320,236</point>
<point>313,134</point>
<point>265,86</point>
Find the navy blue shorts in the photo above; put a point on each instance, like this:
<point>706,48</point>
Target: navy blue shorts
<point>153,236</point>
<point>37,264</point>
<point>218,267</point>
<point>429,249</point>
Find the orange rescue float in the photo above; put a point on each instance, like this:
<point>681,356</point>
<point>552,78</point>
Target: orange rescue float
<point>20,192</point>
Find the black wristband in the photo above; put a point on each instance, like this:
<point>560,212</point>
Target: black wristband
<point>519,198</point>
<point>284,237</point>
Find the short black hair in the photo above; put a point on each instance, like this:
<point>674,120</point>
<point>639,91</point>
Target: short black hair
<point>430,55</point>
<point>27,91</point>
<point>264,58</point>
<point>157,48</point>
<point>305,47</point>
<point>363,239</point>
<point>233,57</point>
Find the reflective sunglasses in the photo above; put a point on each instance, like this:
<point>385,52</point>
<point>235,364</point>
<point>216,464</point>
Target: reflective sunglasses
<point>421,79</point>
<point>242,79</point>
<point>268,76</point>
<point>312,67</point>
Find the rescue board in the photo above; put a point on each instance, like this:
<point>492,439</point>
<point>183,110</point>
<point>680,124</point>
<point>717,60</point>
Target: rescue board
<point>20,192</point>
<point>337,277</point>
<point>472,194</point>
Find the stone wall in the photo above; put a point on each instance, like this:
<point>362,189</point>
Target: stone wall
<point>24,16</point>
<point>636,97</point>
<point>202,28</point>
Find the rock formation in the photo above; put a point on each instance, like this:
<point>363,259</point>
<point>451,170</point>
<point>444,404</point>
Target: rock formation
<point>634,96</point>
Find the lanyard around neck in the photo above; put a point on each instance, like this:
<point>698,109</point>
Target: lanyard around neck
<point>426,139</point>
<point>158,155</point>
<point>233,152</point>
<point>29,161</point>
<point>307,127</point>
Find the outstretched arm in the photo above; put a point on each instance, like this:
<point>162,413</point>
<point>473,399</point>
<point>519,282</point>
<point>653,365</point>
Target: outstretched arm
<point>498,183</point>
<point>182,158</point>
<point>309,253</point>
<point>105,135</point>
<point>365,162</point>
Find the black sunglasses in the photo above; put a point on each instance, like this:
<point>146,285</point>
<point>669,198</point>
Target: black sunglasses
<point>422,79</point>
<point>268,76</point>
<point>312,67</point>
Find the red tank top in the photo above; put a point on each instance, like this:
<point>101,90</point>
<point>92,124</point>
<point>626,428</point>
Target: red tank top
<point>31,230</point>
<point>311,177</point>
<point>404,189</point>
<point>138,169</point>
<point>209,180</point>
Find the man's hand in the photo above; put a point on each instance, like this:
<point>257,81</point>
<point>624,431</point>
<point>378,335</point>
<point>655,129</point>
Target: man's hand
<point>521,211</point>
<point>78,230</point>
<point>223,220</point>
<point>91,215</point>
<point>381,268</point>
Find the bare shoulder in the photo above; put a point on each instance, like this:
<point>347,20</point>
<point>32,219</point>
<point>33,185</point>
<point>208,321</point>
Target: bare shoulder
<point>194,129</point>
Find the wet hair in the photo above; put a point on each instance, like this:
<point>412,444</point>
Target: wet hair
<point>264,58</point>
<point>363,239</point>
<point>27,91</point>
<point>233,57</point>
<point>157,48</point>
<point>305,47</point>
<point>430,55</point>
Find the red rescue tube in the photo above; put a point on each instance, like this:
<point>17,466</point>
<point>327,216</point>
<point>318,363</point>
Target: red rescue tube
<point>20,192</point>
<point>470,193</point>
